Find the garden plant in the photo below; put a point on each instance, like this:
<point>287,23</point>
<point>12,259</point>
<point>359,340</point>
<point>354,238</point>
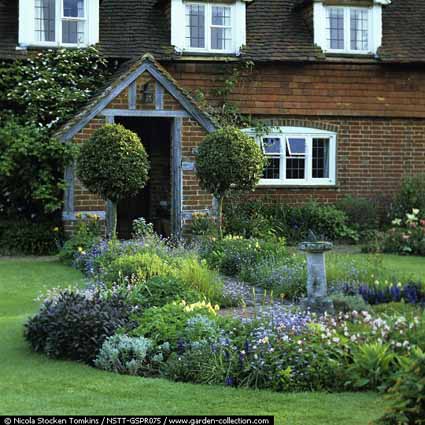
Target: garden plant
<point>113,163</point>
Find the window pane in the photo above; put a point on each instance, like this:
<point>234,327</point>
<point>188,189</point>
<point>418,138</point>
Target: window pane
<point>296,146</point>
<point>295,165</point>
<point>195,26</point>
<point>221,38</point>
<point>320,158</point>
<point>271,145</point>
<point>73,32</point>
<point>73,8</point>
<point>359,23</point>
<point>221,16</point>
<point>272,169</point>
<point>45,20</point>
<point>335,28</point>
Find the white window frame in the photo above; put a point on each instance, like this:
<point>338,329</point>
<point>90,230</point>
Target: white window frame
<point>64,18</point>
<point>321,33</point>
<point>303,133</point>
<point>208,25</point>
<point>347,30</point>
<point>178,27</point>
<point>27,26</point>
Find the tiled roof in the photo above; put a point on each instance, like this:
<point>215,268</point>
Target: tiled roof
<point>404,31</point>
<point>8,28</point>
<point>276,30</point>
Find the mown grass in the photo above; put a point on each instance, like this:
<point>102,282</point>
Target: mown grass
<point>371,267</point>
<point>33,384</point>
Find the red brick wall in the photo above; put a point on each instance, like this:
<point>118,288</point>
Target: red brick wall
<point>315,89</point>
<point>194,199</point>
<point>377,112</point>
<point>373,155</point>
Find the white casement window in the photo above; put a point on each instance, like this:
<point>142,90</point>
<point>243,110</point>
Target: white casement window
<point>73,23</point>
<point>348,29</point>
<point>208,27</point>
<point>299,157</point>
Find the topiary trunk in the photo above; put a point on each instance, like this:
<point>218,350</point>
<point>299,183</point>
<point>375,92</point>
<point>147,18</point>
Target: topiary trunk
<point>111,220</point>
<point>220,200</point>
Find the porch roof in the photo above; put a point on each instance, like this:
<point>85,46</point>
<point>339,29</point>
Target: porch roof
<point>126,75</point>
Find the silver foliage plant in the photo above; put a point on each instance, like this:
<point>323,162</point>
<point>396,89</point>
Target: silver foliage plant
<point>124,354</point>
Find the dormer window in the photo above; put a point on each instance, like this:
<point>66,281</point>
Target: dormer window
<point>342,29</point>
<point>208,27</point>
<point>348,29</point>
<point>50,23</point>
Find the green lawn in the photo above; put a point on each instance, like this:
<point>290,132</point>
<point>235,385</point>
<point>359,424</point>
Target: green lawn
<point>33,384</point>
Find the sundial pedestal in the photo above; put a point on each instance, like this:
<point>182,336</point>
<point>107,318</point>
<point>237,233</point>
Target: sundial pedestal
<point>317,300</point>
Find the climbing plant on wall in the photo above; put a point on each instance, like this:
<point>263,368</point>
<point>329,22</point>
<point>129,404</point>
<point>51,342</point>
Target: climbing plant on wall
<point>51,86</point>
<point>37,95</point>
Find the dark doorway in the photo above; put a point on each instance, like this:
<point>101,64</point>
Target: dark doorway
<point>153,202</point>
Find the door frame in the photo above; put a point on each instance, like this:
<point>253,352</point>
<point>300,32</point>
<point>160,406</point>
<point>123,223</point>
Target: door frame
<point>176,162</point>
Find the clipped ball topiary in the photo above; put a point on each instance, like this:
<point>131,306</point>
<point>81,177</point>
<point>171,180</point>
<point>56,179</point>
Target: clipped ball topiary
<point>113,163</point>
<point>228,159</point>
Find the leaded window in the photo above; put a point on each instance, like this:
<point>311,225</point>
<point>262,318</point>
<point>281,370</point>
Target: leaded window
<point>299,156</point>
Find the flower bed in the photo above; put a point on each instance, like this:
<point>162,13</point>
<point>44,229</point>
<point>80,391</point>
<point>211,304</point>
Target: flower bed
<point>151,309</point>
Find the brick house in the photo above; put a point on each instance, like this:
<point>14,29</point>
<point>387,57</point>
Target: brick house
<point>339,83</point>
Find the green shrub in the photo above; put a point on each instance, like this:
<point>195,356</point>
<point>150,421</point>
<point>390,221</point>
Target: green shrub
<point>397,309</point>
<point>31,171</point>
<point>124,354</point>
<point>411,196</point>
<point>140,267</point>
<point>113,163</point>
<point>228,159</point>
<point>198,277</point>
<point>347,303</point>
<point>86,234</point>
<point>407,236</point>
<point>285,277</point>
<point>363,214</point>
<point>28,238</point>
<point>232,254</point>
<point>255,218</point>
<point>407,395</point>
<point>142,229</point>
<point>167,323</point>
<point>74,325</point>
<point>203,225</point>
<point>372,367</point>
<point>161,290</point>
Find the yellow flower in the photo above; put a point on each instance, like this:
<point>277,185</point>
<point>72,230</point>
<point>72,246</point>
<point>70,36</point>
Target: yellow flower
<point>80,249</point>
<point>56,229</point>
<point>216,307</point>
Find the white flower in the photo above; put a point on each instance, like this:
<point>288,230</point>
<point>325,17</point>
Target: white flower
<point>335,340</point>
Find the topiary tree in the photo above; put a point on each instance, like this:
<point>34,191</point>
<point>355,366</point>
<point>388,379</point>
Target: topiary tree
<point>228,159</point>
<point>113,163</point>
